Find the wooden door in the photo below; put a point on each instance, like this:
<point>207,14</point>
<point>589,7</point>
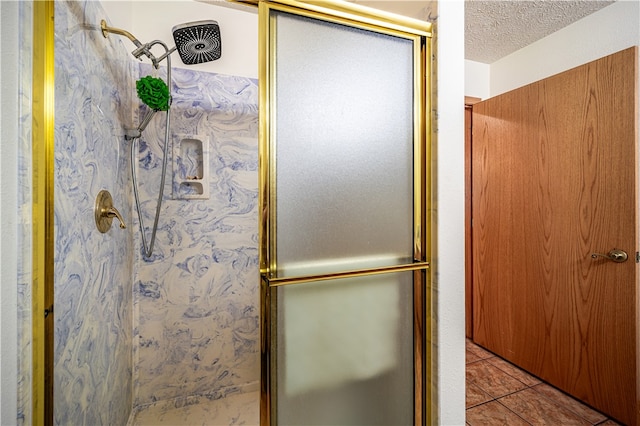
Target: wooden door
<point>555,180</point>
<point>468,246</point>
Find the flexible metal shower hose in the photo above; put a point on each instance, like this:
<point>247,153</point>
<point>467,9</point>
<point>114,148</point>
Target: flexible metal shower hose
<point>148,250</point>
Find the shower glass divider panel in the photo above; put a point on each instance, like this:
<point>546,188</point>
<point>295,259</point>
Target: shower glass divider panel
<point>344,202</point>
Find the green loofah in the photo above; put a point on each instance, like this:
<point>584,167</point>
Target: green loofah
<point>153,92</point>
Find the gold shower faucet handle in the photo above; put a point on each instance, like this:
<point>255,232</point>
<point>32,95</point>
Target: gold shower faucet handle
<point>104,212</point>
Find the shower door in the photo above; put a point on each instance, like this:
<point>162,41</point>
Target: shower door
<point>344,192</point>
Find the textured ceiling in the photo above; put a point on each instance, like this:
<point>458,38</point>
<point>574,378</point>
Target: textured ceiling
<point>494,29</point>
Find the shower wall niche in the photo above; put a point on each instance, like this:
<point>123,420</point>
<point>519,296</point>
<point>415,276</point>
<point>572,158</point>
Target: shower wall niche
<point>191,167</point>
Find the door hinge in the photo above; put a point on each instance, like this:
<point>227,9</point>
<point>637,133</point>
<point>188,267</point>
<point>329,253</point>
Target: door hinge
<point>48,311</point>
<point>637,257</point>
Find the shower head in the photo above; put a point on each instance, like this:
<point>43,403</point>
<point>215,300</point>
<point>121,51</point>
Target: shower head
<point>198,42</point>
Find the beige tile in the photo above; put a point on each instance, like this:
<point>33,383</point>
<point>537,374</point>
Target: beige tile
<point>514,371</point>
<point>539,410</point>
<point>493,414</point>
<point>574,405</point>
<point>478,351</point>
<point>470,357</point>
<point>492,380</point>
<point>476,396</point>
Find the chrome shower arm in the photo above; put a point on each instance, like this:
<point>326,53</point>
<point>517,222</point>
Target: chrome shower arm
<point>167,53</point>
<point>141,49</point>
<point>154,60</point>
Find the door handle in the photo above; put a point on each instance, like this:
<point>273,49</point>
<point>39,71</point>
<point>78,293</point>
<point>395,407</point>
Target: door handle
<point>614,255</point>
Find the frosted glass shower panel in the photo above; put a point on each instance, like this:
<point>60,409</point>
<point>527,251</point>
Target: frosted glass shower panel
<point>343,141</point>
<point>345,351</point>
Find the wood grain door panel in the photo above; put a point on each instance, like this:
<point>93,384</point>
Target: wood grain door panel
<point>555,180</point>
<point>468,245</point>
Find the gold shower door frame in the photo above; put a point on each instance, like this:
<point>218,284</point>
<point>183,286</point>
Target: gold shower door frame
<point>42,150</point>
<point>419,33</point>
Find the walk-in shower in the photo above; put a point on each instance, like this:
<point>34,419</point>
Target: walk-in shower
<point>197,42</point>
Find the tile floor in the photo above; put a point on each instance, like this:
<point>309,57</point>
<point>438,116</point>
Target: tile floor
<point>498,393</point>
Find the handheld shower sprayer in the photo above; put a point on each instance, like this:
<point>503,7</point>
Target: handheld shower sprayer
<point>135,134</point>
<point>197,42</point>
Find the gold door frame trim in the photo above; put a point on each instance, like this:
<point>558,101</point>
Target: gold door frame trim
<point>267,165</point>
<point>420,32</point>
<point>278,282</point>
<point>42,204</point>
<point>423,310</point>
<point>354,13</point>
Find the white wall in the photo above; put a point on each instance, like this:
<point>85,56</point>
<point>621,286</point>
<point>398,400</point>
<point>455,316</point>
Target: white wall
<point>476,79</point>
<point>153,20</point>
<point>9,49</point>
<point>607,31</point>
<point>449,266</point>
<point>119,14</point>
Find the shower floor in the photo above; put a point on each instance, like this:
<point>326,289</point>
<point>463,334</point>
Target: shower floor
<point>237,409</point>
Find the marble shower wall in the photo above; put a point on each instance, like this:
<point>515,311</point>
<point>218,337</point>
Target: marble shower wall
<point>25,213</point>
<point>196,300</point>
<point>94,80</point>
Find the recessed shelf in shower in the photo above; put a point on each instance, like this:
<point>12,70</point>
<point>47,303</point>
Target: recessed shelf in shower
<point>191,167</point>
